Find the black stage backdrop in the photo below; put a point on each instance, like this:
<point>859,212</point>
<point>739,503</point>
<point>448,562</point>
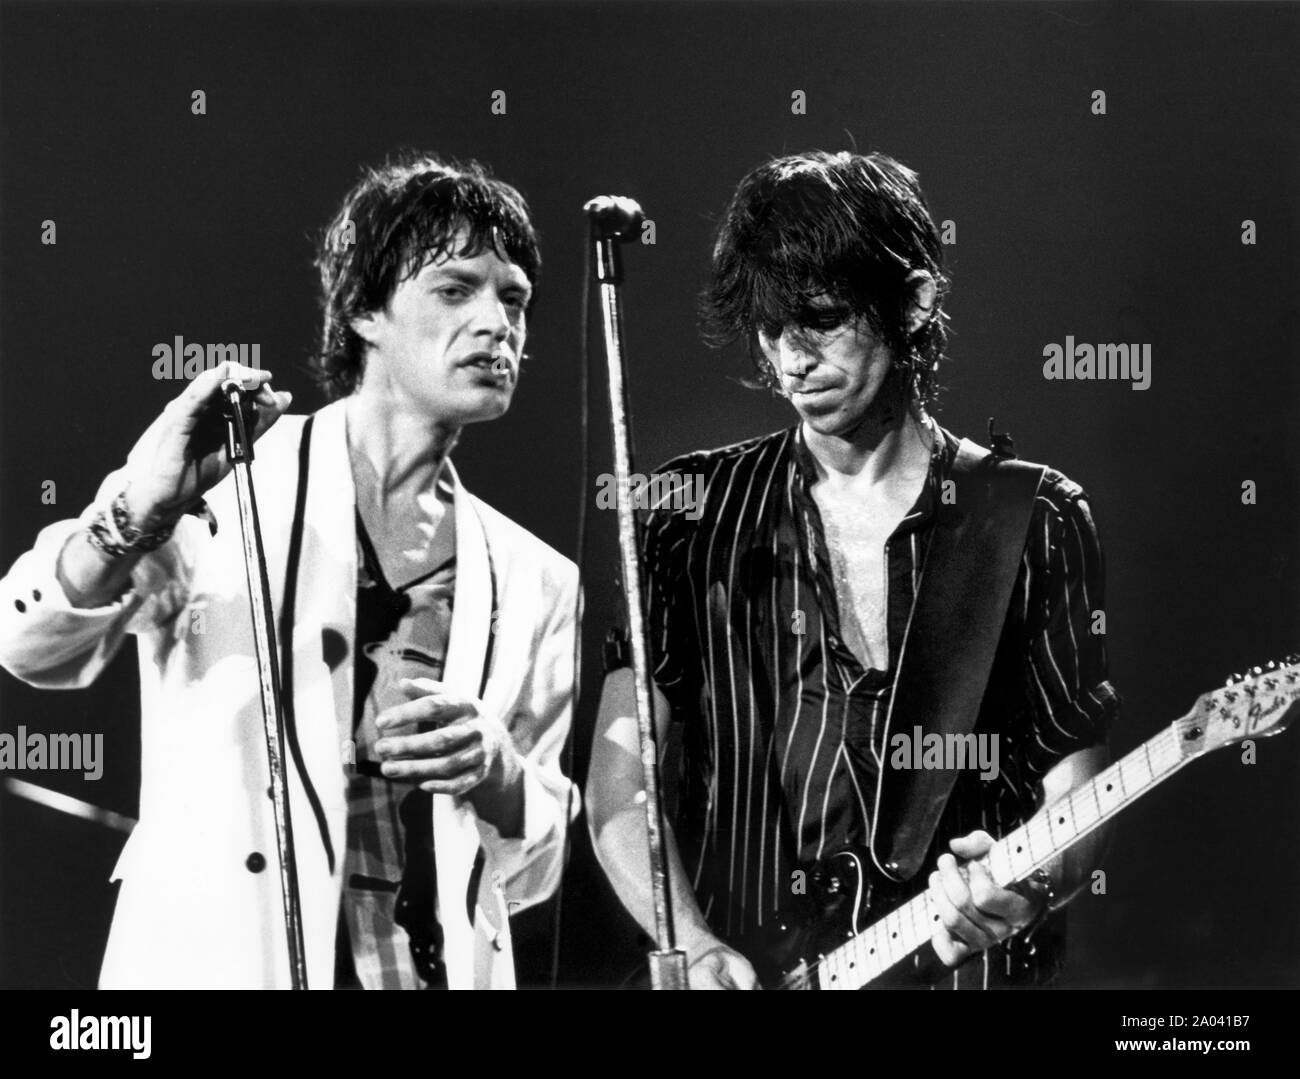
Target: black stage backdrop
<point>1122,225</point>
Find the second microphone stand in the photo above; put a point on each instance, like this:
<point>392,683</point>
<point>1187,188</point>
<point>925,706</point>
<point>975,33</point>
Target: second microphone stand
<point>611,219</point>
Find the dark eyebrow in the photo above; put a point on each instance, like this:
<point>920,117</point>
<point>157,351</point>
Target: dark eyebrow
<point>469,277</point>
<point>465,277</point>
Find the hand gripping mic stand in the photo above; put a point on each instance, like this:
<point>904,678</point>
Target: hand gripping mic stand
<point>239,448</point>
<point>611,219</point>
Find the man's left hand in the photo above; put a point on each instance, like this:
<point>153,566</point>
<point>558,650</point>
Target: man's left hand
<point>468,752</point>
<point>974,913</point>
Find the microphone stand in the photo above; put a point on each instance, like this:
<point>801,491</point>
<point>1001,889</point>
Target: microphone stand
<point>611,218</point>
<point>239,448</point>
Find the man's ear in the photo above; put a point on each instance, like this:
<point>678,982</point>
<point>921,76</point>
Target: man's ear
<point>921,307</point>
<point>364,326</point>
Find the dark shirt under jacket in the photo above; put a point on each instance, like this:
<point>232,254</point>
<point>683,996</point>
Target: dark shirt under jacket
<point>783,728</point>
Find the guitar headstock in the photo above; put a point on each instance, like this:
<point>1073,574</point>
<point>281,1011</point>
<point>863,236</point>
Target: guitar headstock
<point>1256,704</point>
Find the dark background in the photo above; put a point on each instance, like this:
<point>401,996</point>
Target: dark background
<point>1122,227</point>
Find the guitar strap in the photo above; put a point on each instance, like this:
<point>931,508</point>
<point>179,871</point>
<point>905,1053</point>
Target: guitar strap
<point>952,634</point>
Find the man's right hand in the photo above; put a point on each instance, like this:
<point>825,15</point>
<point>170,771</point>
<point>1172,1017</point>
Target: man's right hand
<point>712,965</point>
<point>177,460</point>
<point>182,455</point>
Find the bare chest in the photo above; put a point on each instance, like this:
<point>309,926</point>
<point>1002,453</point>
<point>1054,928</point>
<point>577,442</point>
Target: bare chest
<point>857,533</point>
<point>411,539</point>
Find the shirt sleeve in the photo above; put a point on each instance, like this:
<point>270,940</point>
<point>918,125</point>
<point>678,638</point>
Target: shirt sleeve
<point>1074,703</point>
<point>670,617</point>
<point>49,643</point>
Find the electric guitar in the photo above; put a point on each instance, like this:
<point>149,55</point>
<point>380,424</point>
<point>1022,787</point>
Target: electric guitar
<point>829,948</point>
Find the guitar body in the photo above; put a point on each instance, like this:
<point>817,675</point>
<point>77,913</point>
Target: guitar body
<point>843,895</point>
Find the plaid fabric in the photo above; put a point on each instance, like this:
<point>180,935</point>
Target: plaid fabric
<point>389,894</point>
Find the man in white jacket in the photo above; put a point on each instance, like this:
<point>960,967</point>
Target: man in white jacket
<point>426,641</point>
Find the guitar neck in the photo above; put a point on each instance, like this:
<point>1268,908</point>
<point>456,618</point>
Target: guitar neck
<point>1013,858</point>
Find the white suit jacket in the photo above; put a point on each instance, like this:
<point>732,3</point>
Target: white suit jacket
<point>195,909</point>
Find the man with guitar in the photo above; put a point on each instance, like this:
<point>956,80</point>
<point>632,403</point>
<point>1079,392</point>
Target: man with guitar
<point>854,583</point>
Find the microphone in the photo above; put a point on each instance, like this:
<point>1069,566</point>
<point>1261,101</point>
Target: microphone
<point>613,216</point>
<point>240,412</point>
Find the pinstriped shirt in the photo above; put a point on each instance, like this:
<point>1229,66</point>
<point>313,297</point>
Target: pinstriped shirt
<point>782,728</point>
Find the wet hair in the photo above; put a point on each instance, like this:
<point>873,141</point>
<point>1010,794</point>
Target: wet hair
<point>396,220</point>
<point>812,240</point>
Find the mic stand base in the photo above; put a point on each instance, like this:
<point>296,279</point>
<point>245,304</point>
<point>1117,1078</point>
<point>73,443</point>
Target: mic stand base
<point>668,969</point>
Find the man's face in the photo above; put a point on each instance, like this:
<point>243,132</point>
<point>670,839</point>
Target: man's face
<point>831,376</point>
<point>449,343</point>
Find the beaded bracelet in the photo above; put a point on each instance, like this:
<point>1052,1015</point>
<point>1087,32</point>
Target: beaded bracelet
<point>114,535</point>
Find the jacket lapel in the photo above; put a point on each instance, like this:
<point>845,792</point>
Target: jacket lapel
<point>325,622</point>
<point>318,696</point>
<point>456,838</point>
<point>327,598</point>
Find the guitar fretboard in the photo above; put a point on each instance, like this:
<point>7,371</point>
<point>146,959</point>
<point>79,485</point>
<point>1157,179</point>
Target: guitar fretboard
<point>1013,858</point>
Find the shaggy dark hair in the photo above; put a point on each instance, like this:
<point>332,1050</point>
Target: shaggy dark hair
<point>812,240</point>
<point>401,216</point>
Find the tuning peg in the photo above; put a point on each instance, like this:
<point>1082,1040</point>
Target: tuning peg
<point>1255,672</point>
<point>1271,665</point>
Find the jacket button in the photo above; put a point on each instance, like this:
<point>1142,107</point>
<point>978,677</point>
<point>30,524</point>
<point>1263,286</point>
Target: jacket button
<point>255,862</point>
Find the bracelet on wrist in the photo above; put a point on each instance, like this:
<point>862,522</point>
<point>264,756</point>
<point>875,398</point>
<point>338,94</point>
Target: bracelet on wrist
<point>113,534</point>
